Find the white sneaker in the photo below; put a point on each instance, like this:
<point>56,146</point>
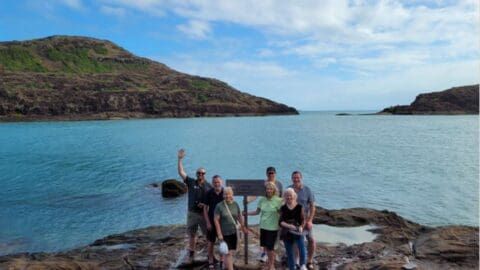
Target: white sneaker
<point>263,257</point>
<point>303,267</point>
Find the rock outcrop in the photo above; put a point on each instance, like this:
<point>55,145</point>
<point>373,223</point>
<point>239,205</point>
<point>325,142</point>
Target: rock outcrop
<point>399,242</point>
<point>172,188</point>
<point>78,78</point>
<point>456,100</point>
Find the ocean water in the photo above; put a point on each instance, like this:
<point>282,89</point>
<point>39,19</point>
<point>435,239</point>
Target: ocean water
<point>65,184</point>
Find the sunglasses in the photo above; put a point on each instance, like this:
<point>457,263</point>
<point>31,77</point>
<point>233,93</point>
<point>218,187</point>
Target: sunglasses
<point>200,173</point>
<point>271,173</point>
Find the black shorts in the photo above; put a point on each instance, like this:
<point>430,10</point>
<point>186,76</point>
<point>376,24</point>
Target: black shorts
<point>268,239</point>
<point>212,234</point>
<point>231,241</point>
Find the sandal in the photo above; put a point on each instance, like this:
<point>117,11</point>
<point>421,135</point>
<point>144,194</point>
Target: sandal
<point>310,266</point>
<point>211,266</point>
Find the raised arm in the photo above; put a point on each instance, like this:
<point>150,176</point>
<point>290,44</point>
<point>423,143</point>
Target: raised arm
<point>181,171</point>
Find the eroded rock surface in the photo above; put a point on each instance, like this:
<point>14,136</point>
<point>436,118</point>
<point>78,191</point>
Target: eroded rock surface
<point>163,247</point>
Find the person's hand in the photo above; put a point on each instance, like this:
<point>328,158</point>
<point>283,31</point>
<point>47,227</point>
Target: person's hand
<point>308,225</point>
<point>220,238</point>
<point>245,230</point>
<point>201,205</point>
<point>300,229</point>
<point>245,213</point>
<point>181,153</point>
<point>209,226</point>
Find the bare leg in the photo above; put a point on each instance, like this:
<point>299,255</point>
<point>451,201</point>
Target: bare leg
<point>271,259</point>
<point>228,260</point>
<point>210,252</point>
<point>311,249</point>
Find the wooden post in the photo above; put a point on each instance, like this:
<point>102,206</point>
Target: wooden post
<point>245,188</point>
<point>245,243</point>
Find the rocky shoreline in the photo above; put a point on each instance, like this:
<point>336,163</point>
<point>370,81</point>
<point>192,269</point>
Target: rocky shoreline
<point>398,242</point>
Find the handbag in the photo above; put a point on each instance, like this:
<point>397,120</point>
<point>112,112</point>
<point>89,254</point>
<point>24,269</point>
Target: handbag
<point>237,226</point>
<point>289,234</point>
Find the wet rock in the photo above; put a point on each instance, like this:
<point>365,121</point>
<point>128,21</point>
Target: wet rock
<point>161,247</point>
<point>456,244</point>
<point>172,188</point>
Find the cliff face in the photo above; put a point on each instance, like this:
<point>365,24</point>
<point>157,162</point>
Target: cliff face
<point>457,100</point>
<point>77,78</point>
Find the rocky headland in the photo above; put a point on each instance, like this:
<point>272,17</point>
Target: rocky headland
<point>80,78</point>
<point>456,100</point>
<point>400,244</point>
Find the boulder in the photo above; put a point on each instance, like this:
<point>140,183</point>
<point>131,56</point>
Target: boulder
<point>172,188</point>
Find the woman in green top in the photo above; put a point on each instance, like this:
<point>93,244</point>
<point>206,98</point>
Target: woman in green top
<point>226,217</point>
<point>269,207</point>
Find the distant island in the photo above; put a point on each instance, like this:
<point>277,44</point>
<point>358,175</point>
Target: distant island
<point>456,100</point>
<point>80,78</point>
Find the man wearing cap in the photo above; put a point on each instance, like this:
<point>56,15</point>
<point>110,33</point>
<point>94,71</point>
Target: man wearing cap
<point>197,189</point>
<point>305,198</point>
<point>272,177</point>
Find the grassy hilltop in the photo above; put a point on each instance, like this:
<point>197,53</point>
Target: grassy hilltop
<point>66,77</point>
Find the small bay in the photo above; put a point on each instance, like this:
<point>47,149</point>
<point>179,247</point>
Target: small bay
<point>65,184</point>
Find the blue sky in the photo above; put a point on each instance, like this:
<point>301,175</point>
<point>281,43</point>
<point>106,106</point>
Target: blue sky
<point>313,55</point>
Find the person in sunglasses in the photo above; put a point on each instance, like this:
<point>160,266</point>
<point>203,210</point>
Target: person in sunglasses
<point>197,189</point>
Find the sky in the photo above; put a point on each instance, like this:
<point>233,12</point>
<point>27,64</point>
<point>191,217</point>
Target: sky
<point>312,55</point>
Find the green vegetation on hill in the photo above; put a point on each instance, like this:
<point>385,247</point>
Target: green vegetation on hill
<point>77,60</point>
<point>16,58</point>
<point>68,55</point>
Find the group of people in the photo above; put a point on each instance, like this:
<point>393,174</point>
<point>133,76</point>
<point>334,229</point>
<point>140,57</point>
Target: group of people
<point>285,214</point>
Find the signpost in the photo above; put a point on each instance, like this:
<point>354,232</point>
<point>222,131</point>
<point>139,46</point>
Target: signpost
<point>245,188</point>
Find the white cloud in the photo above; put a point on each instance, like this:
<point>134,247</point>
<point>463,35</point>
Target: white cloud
<point>113,11</point>
<point>153,7</point>
<point>75,4</point>
<point>337,29</point>
<point>195,29</point>
<point>311,91</point>
<point>379,51</point>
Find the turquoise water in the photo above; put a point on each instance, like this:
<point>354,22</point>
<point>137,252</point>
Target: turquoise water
<point>65,184</point>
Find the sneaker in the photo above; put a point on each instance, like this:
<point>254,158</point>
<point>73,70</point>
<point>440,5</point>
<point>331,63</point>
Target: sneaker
<point>303,267</point>
<point>263,257</point>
